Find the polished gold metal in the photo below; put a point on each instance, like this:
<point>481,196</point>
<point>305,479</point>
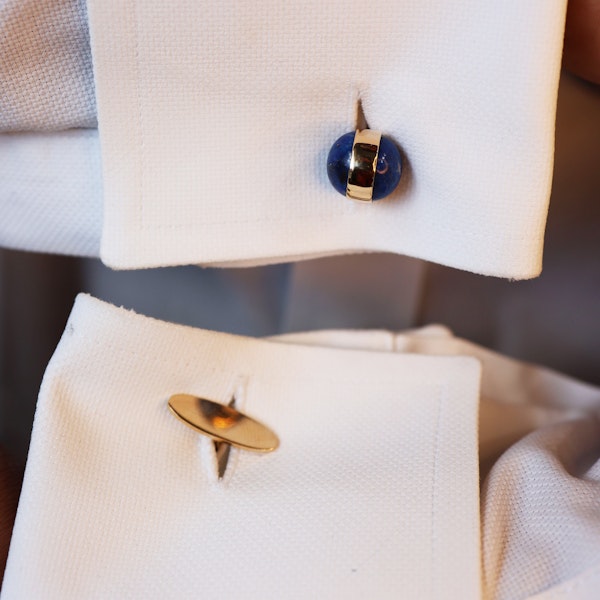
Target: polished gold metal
<point>224,424</point>
<point>363,165</point>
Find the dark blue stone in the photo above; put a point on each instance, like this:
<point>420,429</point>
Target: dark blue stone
<point>388,172</point>
<point>338,162</point>
<point>389,169</point>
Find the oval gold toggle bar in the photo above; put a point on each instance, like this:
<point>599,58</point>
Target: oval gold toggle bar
<point>223,423</point>
<point>363,165</point>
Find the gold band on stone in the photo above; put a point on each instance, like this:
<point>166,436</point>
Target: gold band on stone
<point>363,164</point>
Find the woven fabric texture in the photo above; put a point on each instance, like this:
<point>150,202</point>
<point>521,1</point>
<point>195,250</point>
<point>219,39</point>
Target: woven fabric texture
<point>214,137</point>
<point>373,491</point>
<point>46,78</point>
<point>214,141</point>
<point>539,453</point>
<point>50,192</point>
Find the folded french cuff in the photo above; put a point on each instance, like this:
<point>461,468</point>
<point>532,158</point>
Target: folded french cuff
<point>372,491</point>
<point>214,132</point>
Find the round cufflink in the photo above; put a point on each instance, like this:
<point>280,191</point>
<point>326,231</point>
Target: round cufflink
<point>364,165</point>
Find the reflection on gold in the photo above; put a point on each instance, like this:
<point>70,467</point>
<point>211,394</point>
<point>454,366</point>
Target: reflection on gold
<point>221,422</point>
<point>219,416</point>
<point>363,164</point>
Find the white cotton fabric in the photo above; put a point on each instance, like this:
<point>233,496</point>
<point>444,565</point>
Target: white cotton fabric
<point>372,493</point>
<point>46,78</point>
<point>457,205</point>
<point>541,499</point>
<point>121,499</point>
<point>583,587</point>
<point>544,496</point>
<point>51,192</point>
<point>215,122</point>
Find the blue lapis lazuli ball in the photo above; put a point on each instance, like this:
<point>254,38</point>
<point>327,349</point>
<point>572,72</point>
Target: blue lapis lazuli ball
<point>387,174</point>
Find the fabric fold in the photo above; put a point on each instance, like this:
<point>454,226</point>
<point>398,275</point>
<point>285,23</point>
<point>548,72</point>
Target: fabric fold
<point>374,489</point>
<point>214,140</point>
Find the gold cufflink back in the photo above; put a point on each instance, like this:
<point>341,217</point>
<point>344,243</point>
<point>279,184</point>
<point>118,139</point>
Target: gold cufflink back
<point>223,423</point>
